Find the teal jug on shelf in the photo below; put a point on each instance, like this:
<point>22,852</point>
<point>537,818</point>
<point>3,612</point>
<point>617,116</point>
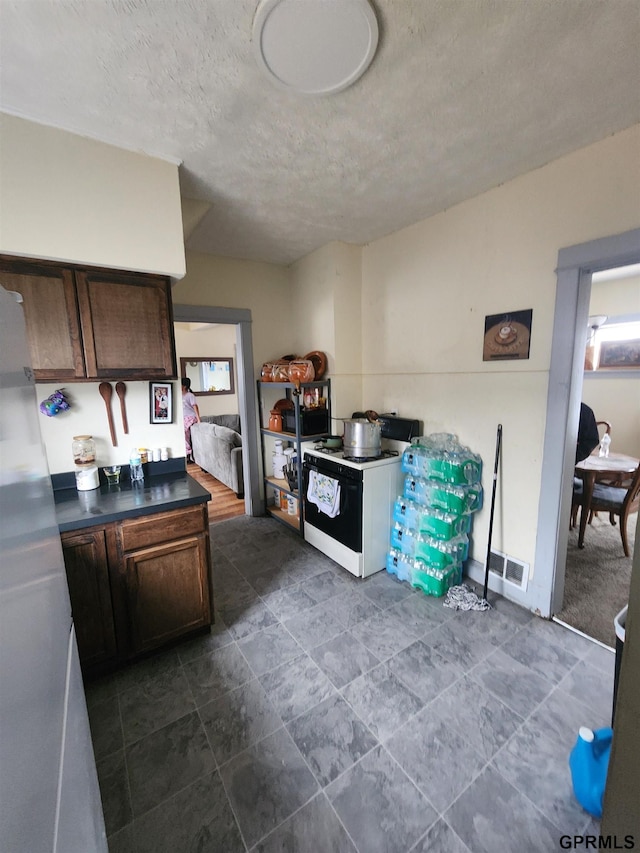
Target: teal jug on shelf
<point>589,762</point>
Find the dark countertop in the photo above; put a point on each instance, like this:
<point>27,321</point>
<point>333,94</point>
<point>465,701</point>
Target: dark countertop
<point>75,510</point>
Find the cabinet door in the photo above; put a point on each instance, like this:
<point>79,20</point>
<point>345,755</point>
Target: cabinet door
<point>127,325</point>
<point>85,560</point>
<point>51,317</point>
<point>167,591</point>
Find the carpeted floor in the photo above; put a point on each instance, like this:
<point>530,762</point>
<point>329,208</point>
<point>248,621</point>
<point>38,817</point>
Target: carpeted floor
<point>597,579</point>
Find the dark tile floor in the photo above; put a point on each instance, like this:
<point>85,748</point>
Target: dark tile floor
<point>325,713</point>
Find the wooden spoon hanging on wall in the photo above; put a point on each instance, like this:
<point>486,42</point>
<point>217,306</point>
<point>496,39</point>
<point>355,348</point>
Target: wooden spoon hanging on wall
<point>106,392</point>
<point>121,390</point>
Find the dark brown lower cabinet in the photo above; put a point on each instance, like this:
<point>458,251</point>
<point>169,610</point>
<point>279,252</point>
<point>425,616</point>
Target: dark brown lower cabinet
<point>85,559</point>
<point>167,595</point>
<point>138,584</point>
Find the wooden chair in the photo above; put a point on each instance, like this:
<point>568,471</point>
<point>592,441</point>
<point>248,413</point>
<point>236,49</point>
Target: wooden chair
<point>618,501</point>
<point>576,501</point>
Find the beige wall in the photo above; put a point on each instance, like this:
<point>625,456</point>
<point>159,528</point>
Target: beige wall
<point>209,341</point>
<point>426,291</point>
<point>614,297</point>
<point>617,401</point>
<point>228,283</point>
<point>313,304</point>
<point>68,198</point>
<point>88,415</point>
<point>326,289</point>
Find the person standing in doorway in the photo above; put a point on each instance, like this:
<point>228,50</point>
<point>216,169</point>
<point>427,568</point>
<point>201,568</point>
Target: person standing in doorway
<point>190,415</point>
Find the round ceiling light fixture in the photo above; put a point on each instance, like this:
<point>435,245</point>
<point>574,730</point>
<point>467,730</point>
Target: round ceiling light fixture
<point>316,47</point>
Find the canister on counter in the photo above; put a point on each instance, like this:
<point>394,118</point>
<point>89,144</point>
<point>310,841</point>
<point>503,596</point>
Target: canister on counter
<point>87,478</point>
<point>83,448</point>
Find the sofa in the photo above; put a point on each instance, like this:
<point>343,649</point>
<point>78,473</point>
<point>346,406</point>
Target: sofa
<point>216,443</point>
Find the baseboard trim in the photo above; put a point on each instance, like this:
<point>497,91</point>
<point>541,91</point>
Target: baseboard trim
<point>582,634</point>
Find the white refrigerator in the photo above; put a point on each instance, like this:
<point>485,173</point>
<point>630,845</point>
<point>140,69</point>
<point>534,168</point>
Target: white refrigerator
<point>49,796</point>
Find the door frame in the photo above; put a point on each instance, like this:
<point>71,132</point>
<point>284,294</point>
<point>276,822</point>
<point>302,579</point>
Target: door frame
<point>576,264</point>
<point>241,318</point>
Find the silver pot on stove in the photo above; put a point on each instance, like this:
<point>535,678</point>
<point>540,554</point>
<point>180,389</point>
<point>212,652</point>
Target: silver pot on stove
<point>362,434</point>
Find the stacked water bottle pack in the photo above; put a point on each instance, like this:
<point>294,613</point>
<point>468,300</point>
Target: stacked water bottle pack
<point>432,518</point>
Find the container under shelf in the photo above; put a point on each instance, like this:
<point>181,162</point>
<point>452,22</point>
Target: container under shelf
<point>281,515</point>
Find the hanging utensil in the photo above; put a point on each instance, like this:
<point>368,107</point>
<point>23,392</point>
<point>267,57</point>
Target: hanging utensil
<point>121,390</point>
<point>106,392</point>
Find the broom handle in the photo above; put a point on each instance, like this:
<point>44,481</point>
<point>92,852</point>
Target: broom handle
<point>493,505</point>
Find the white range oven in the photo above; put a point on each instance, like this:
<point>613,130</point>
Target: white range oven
<point>351,520</point>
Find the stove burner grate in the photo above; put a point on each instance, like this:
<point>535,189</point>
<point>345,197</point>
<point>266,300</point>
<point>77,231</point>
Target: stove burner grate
<point>384,454</point>
<point>342,454</point>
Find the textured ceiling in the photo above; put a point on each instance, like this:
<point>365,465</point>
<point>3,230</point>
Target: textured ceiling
<point>461,96</point>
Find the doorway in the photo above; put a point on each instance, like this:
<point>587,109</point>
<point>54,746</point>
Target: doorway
<point>598,575</point>
<point>576,265</point>
<point>241,319</point>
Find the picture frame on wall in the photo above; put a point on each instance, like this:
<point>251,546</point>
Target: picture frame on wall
<point>161,402</point>
<point>507,336</point>
<point>619,355</point>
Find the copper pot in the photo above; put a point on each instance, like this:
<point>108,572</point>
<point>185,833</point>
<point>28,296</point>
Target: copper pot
<point>275,421</point>
<point>300,371</point>
<point>280,371</point>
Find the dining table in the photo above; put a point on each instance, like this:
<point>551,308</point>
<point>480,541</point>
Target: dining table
<point>596,468</point>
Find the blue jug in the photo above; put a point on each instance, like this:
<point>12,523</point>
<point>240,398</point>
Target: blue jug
<point>589,762</point>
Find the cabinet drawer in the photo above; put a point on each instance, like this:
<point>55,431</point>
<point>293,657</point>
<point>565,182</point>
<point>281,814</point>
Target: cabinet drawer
<point>162,527</point>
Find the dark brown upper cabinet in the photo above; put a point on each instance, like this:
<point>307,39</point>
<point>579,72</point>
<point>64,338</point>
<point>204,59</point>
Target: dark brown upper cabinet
<point>88,324</point>
<point>51,316</point>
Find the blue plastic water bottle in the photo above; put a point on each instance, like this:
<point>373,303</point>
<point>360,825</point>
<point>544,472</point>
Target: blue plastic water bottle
<point>589,762</point>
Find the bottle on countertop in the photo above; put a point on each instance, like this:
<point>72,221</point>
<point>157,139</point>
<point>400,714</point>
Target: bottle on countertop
<point>135,466</point>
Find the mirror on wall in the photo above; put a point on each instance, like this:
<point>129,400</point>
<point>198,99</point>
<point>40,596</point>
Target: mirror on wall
<point>209,376</point>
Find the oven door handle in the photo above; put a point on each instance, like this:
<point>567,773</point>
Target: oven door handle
<point>344,475</point>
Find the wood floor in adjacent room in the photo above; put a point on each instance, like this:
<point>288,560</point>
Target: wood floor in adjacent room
<point>223,504</point>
